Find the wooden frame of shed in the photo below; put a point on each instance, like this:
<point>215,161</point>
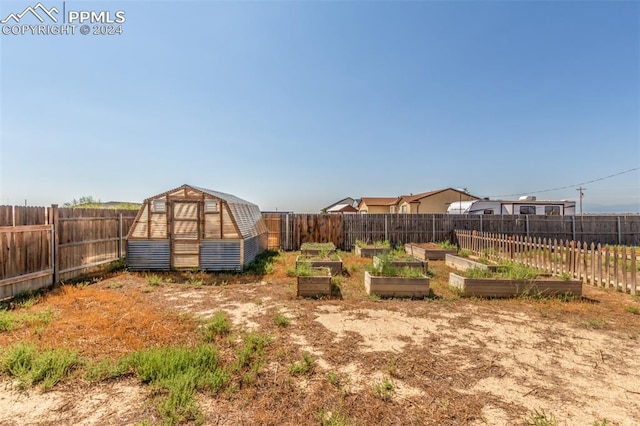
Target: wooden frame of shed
<point>195,228</point>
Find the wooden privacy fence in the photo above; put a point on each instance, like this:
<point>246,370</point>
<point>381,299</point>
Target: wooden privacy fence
<point>26,258</point>
<point>603,266</point>
<point>65,244</point>
<point>288,230</point>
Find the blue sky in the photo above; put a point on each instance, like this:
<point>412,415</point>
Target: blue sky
<point>294,105</point>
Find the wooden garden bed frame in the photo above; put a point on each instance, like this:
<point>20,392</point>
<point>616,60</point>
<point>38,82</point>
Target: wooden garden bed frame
<point>335,266</point>
<point>314,285</point>
<point>464,263</point>
<point>504,287</point>
<point>431,252</point>
<point>396,286</point>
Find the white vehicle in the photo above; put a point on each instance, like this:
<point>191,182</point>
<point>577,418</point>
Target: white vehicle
<point>524,205</point>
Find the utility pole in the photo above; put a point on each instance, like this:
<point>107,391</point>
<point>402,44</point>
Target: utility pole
<point>580,190</point>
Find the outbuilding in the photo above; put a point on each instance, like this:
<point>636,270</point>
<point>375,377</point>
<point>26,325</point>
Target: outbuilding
<point>195,228</point>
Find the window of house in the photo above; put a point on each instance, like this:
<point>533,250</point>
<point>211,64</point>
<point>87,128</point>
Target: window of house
<point>159,206</point>
<point>393,209</point>
<point>552,210</point>
<point>404,209</point>
<point>527,209</point>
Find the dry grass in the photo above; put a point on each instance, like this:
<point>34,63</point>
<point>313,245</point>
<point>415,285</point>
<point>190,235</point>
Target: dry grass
<point>434,375</point>
<point>99,323</point>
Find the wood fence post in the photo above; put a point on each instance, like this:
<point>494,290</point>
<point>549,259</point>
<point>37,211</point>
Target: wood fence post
<point>511,248</point>
<point>615,267</point>
<point>634,272</point>
<point>119,236</point>
<point>55,255</point>
<point>433,228</point>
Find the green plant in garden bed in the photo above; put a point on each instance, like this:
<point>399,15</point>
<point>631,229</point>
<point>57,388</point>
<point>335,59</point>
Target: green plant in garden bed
<point>397,254</point>
<point>387,269</point>
<point>333,256</point>
<point>447,245</point>
<point>464,253</point>
<point>511,270</point>
<point>326,247</point>
<point>304,269</point>
<point>375,244</point>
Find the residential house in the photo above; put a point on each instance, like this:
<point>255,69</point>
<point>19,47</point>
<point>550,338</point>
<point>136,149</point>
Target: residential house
<point>432,202</point>
<point>349,201</point>
<point>342,208</point>
<point>373,205</point>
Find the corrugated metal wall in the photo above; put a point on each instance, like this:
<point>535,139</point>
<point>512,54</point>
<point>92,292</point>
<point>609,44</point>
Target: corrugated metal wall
<point>148,255</point>
<point>254,246</point>
<point>220,255</point>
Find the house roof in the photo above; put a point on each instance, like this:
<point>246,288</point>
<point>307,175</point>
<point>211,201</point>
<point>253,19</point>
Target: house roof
<point>378,201</point>
<point>416,197</point>
<point>347,200</point>
<point>342,208</point>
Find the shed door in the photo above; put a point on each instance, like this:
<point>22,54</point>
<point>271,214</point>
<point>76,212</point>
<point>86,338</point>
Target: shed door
<point>185,235</point>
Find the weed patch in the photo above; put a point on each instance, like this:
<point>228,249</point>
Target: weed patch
<point>31,366</point>
<point>281,320</point>
<point>540,418</point>
<point>384,390</point>
<point>218,325</point>
<point>176,373</point>
<point>302,367</point>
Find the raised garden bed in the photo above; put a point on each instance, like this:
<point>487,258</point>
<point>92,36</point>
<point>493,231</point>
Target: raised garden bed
<point>333,262</point>
<point>506,287</point>
<point>401,262</point>
<point>369,250</point>
<point>464,263</point>
<point>314,249</point>
<point>396,286</point>
<point>315,285</point>
<point>428,251</point>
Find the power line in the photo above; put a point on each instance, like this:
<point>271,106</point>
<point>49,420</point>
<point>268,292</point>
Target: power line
<point>566,187</point>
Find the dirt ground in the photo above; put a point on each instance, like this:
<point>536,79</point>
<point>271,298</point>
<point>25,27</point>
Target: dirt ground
<point>449,360</point>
